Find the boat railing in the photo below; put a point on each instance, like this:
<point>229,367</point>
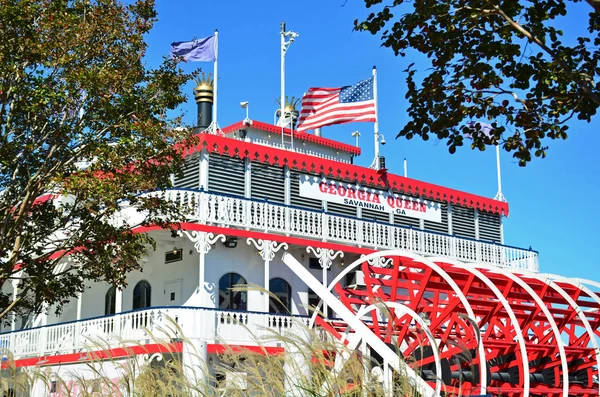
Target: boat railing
<point>147,326</point>
<point>263,215</point>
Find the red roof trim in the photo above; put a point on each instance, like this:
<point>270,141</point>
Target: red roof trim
<point>297,135</point>
<point>337,170</point>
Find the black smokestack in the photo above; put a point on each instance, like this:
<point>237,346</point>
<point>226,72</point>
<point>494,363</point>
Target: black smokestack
<point>203,94</point>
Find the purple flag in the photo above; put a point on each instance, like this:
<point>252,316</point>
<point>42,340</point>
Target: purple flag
<point>484,128</point>
<point>200,50</point>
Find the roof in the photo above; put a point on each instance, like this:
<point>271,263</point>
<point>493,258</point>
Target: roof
<point>342,171</point>
<point>297,135</point>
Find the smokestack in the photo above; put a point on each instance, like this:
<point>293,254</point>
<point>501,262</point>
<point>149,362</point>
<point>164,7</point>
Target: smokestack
<point>203,94</point>
<point>317,131</point>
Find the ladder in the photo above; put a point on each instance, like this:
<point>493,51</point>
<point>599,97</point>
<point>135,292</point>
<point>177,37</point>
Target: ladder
<point>287,134</point>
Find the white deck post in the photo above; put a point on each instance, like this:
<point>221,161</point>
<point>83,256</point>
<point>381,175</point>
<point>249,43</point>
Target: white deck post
<point>195,365</point>
<point>266,250</point>
<point>79,296</point>
<point>326,257</point>
<point>118,310</point>
<point>76,337</point>
<point>203,243</point>
<point>13,320</point>
<point>296,368</point>
<point>118,300</point>
<point>44,331</point>
<point>287,198</point>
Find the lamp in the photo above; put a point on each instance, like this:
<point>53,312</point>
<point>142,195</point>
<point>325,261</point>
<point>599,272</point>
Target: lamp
<point>356,134</point>
<point>175,250</point>
<point>230,242</point>
<point>342,262</point>
<point>376,164</point>
<point>244,105</point>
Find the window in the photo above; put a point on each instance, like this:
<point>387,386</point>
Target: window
<point>24,321</point>
<point>109,301</point>
<point>175,255</point>
<point>282,290</point>
<point>232,300</point>
<point>142,294</point>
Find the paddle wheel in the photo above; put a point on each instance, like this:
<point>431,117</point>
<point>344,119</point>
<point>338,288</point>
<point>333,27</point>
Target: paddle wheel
<point>492,331</point>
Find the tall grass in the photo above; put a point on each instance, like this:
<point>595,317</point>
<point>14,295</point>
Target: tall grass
<point>305,369</point>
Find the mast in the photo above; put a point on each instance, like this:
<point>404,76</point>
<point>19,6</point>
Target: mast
<point>499,196</point>
<point>285,45</point>
<point>215,128</point>
<point>376,123</point>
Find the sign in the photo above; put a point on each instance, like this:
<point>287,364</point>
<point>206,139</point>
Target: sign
<point>373,199</point>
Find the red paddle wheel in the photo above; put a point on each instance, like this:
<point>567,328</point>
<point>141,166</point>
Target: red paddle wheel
<point>497,332</point>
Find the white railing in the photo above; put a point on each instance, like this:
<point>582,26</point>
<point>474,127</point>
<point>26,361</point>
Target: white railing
<point>153,325</point>
<point>226,210</point>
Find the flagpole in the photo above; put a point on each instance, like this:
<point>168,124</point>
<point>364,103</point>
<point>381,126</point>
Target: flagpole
<point>376,123</point>
<point>285,45</point>
<point>216,82</point>
<point>282,75</point>
<point>499,196</point>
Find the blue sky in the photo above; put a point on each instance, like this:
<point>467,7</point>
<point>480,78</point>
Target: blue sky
<point>551,200</point>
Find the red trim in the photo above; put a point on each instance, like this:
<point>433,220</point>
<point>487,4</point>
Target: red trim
<point>241,233</point>
<point>45,197</point>
<point>297,135</point>
<point>256,235</point>
<point>342,171</point>
<point>120,352</point>
<point>216,348</point>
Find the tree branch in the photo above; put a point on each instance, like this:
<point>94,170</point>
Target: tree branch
<point>581,83</point>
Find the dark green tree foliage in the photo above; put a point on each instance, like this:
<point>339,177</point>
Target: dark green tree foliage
<point>74,89</point>
<point>499,62</point>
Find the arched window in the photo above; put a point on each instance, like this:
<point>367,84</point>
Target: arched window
<point>233,300</point>
<point>282,290</point>
<point>141,295</point>
<point>109,301</point>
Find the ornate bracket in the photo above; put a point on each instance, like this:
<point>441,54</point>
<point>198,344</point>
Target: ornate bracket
<point>203,241</point>
<point>380,261</point>
<point>266,248</point>
<point>326,256</point>
<point>146,359</point>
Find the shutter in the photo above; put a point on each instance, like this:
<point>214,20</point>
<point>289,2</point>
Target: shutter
<point>341,209</point>
<point>297,200</point>
<point>369,215</point>
<point>489,226</point>
<point>190,179</point>
<point>437,226</point>
<point>225,175</point>
<point>267,182</point>
<point>463,221</point>
<point>402,220</point>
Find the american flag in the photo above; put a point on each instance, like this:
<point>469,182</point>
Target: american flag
<point>328,106</point>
